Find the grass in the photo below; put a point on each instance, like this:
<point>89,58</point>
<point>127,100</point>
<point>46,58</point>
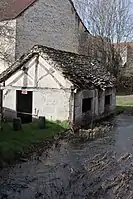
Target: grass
<point>124,103</point>
<point>14,144</point>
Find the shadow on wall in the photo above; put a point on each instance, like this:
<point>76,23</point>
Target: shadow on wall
<point>9,114</point>
<point>88,119</point>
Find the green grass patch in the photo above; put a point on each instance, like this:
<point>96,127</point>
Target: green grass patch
<point>124,103</point>
<point>120,109</point>
<point>126,100</point>
<point>14,144</point>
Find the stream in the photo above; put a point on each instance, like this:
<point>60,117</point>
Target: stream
<point>98,169</point>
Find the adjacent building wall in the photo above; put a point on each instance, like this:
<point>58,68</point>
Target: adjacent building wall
<point>101,49</point>
<point>129,63</point>
<point>53,23</point>
<point>56,24</point>
<point>126,54</point>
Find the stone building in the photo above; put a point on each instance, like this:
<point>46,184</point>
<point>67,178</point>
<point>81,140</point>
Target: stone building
<point>126,53</point>
<point>125,78</point>
<point>53,23</point>
<point>59,85</point>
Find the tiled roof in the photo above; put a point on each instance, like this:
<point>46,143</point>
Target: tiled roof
<point>82,71</point>
<point>10,9</point>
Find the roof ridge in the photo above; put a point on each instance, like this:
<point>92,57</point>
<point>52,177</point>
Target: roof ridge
<point>37,47</point>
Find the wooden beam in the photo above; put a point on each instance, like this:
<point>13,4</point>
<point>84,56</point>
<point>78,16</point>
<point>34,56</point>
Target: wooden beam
<point>36,71</point>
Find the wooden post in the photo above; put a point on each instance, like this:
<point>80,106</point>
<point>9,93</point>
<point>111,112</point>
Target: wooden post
<point>42,122</point>
<point>17,124</point>
<point>36,72</point>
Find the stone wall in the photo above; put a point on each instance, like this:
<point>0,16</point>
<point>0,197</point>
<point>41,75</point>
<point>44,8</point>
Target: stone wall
<point>125,79</point>
<point>98,108</point>
<point>101,49</point>
<point>79,96</point>
<point>53,23</point>
<point>112,92</point>
<point>126,53</point>
<point>56,24</point>
<point>129,63</point>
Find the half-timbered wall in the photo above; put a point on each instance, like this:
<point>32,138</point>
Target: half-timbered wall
<point>52,95</point>
<point>51,91</point>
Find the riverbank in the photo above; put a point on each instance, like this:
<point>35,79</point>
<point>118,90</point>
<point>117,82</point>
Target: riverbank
<point>15,145</point>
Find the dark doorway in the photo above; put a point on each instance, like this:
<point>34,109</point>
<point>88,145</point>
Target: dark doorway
<point>24,106</point>
<point>86,104</point>
<point>107,100</point>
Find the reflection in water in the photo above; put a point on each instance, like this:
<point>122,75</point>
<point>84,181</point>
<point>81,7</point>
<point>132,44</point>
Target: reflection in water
<point>102,168</point>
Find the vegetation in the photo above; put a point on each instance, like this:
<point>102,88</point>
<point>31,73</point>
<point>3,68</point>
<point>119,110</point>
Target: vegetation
<point>14,144</point>
<point>112,21</point>
<point>124,103</point>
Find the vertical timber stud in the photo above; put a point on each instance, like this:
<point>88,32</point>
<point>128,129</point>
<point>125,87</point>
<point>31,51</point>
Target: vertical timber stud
<point>36,71</point>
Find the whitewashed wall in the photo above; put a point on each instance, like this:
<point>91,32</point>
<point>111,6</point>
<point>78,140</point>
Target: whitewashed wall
<point>54,104</point>
<point>51,97</point>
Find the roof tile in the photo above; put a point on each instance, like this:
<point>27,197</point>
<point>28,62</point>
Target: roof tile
<point>10,9</point>
<point>83,71</point>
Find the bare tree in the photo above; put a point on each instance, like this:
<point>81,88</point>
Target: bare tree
<point>7,40</point>
<point>109,20</point>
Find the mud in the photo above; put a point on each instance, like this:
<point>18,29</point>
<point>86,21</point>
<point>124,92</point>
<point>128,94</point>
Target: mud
<point>99,168</point>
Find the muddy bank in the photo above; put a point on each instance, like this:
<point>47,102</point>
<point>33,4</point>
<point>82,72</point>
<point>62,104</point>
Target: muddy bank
<point>37,148</point>
<point>100,168</point>
<point>71,135</point>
